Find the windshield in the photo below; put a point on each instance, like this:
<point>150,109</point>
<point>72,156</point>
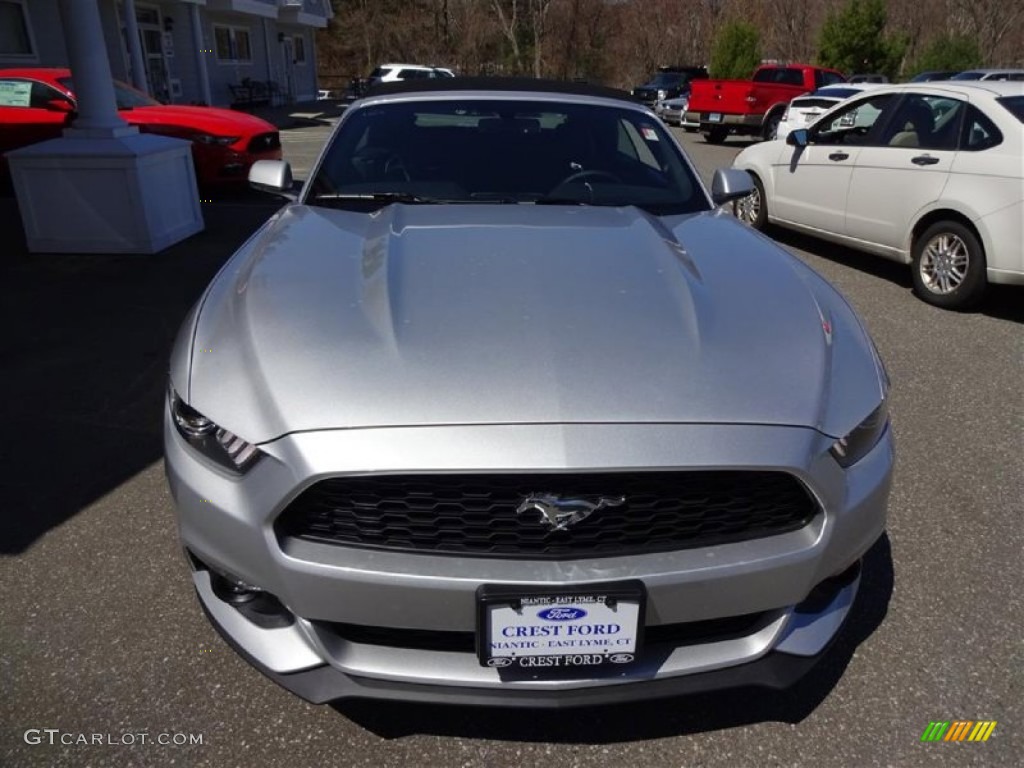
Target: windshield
<point>1015,104</point>
<point>504,152</point>
<point>127,97</point>
<point>667,80</point>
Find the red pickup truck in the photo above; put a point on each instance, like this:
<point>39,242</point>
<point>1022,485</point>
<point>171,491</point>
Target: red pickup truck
<point>753,107</point>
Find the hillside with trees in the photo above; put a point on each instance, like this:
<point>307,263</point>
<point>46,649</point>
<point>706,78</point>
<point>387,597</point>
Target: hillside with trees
<point>618,42</point>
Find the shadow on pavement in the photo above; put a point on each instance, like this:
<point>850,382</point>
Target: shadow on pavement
<point>1002,302</point>
<point>302,114</point>
<point>84,350</point>
<point>654,719</point>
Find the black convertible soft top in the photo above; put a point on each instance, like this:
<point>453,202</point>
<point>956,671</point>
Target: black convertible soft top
<point>505,84</point>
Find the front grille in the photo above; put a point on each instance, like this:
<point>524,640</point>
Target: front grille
<point>676,635</point>
<point>645,94</point>
<point>476,515</point>
<point>265,142</point>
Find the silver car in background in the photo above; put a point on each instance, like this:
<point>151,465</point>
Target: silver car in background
<point>673,112</point>
<point>505,409</point>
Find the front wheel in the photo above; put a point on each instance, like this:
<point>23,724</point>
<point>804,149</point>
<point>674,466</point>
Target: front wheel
<point>716,135</point>
<point>949,266</point>
<point>752,209</point>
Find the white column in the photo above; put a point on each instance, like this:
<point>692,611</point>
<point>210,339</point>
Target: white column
<point>131,30</point>
<point>199,46</point>
<point>94,89</point>
<point>102,187</point>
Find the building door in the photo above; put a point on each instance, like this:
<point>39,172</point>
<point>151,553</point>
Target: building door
<point>288,54</point>
<point>152,38</point>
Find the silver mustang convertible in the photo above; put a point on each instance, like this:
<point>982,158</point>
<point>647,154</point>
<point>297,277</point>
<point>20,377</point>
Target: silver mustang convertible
<point>502,409</point>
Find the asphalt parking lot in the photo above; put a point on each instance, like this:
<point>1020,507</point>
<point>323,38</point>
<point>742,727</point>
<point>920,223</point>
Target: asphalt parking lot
<point>100,632</point>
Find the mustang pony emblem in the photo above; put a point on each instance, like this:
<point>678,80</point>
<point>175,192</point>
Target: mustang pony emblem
<point>560,513</point>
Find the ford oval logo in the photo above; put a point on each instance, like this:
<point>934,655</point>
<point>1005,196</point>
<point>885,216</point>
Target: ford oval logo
<point>561,613</point>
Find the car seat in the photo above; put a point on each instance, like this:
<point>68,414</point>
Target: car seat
<point>917,128</point>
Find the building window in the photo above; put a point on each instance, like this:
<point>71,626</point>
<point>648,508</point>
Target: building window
<point>232,44</point>
<point>299,48</point>
<point>15,33</point>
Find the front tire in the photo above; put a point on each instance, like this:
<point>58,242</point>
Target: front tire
<point>949,266</point>
<point>752,208</point>
<point>716,135</point>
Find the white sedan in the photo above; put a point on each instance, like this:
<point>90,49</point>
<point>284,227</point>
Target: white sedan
<point>927,174</point>
<point>804,110</point>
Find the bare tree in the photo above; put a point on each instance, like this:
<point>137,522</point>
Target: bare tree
<point>990,21</point>
<point>507,12</point>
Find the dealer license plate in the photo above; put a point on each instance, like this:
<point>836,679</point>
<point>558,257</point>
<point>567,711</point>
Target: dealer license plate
<point>715,117</point>
<point>531,629</point>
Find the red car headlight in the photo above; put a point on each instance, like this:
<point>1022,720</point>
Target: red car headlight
<point>206,138</point>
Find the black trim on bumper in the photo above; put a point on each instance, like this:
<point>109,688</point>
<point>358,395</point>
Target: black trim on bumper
<point>320,685</point>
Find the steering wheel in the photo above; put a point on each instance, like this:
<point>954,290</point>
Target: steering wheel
<point>377,162</point>
<point>395,164</point>
<point>591,174</point>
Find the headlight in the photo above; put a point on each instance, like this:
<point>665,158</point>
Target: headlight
<point>865,436</point>
<point>662,94</point>
<point>214,442</point>
<point>222,141</point>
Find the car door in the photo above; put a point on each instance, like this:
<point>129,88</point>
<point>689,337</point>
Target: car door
<point>30,112</point>
<point>811,183</point>
<point>905,171</point>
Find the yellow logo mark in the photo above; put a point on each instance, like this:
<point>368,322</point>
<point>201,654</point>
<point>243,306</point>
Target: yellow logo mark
<point>959,730</point>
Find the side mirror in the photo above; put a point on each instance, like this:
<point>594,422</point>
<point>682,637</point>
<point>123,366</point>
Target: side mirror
<point>274,176</point>
<point>730,184</point>
<point>797,138</point>
<point>60,105</point>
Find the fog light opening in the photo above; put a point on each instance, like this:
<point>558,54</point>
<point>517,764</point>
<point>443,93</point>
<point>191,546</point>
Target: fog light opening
<point>256,604</point>
<point>233,590</point>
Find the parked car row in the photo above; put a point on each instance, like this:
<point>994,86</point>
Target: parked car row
<point>928,174</point>
<point>36,104</point>
<point>757,107</point>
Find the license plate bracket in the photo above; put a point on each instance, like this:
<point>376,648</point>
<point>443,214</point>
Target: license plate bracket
<point>587,626</point>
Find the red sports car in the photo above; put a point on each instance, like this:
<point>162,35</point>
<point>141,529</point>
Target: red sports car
<point>36,104</point>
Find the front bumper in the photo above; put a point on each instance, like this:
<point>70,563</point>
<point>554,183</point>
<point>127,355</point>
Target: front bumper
<point>776,670</point>
<point>227,523</point>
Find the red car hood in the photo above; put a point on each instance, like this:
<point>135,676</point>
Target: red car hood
<point>213,120</point>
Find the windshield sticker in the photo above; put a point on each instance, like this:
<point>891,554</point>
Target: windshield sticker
<point>649,133</point>
<point>15,94</point>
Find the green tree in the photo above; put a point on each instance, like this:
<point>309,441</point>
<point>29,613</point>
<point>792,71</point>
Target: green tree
<point>736,50</point>
<point>853,39</point>
<point>948,52</point>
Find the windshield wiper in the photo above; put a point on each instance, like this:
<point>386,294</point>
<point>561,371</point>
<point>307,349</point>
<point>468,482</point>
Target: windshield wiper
<point>378,197</point>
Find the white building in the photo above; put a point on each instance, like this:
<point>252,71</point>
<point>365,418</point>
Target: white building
<point>185,51</point>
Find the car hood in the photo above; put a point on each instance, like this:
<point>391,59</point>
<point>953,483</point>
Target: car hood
<point>466,314</point>
<point>213,120</point>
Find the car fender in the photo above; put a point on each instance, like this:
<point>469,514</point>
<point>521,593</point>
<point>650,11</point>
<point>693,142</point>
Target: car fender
<point>961,208</point>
